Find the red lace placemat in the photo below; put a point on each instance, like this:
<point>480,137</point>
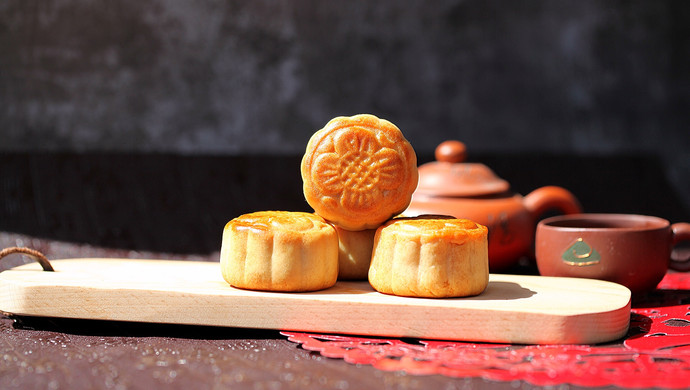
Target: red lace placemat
<point>655,353</point>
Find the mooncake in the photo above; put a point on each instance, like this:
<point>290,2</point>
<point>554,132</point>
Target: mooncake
<point>354,253</point>
<point>430,256</point>
<point>279,251</point>
<point>359,171</point>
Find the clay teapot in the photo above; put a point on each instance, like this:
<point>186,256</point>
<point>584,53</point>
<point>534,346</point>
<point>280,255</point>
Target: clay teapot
<point>450,186</point>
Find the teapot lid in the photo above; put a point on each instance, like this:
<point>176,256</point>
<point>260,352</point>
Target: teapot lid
<point>450,176</point>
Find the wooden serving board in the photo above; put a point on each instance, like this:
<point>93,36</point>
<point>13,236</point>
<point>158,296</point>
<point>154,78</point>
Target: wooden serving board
<point>513,309</point>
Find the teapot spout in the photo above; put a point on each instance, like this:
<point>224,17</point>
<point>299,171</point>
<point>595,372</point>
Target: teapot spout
<point>551,198</point>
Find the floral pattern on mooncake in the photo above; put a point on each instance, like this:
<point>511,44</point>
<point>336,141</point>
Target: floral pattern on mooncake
<point>359,171</point>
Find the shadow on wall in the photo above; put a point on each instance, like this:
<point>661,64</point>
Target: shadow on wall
<point>179,204</point>
<point>633,184</point>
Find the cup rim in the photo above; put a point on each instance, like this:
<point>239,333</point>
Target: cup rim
<point>623,222</point>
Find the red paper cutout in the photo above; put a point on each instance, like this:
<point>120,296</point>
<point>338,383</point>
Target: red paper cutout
<point>655,353</point>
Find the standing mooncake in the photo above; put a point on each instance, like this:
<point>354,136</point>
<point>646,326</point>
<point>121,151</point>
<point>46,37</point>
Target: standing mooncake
<point>359,171</point>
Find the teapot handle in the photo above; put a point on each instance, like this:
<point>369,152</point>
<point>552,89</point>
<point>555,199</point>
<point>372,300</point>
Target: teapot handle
<point>548,198</point>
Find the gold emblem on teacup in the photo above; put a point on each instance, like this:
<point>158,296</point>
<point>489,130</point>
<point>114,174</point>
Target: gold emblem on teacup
<point>580,254</point>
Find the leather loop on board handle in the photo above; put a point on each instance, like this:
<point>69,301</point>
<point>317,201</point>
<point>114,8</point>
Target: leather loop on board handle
<point>680,232</point>
<point>34,254</point>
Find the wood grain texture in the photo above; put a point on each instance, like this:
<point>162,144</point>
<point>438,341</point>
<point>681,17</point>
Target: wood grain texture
<point>515,309</point>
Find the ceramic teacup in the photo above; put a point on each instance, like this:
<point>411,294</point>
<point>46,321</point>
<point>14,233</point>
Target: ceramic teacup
<point>632,250</point>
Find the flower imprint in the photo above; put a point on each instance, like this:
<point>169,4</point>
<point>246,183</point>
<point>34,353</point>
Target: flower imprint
<point>359,171</point>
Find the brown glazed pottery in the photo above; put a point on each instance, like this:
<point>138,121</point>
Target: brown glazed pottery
<point>632,250</point>
<point>473,191</point>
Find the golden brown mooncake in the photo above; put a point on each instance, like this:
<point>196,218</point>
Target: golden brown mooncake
<point>433,257</point>
<point>279,251</point>
<point>354,253</point>
<point>359,171</point>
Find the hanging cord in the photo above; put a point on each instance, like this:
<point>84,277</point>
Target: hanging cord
<point>34,254</point>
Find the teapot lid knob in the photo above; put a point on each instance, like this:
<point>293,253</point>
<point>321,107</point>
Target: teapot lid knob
<point>450,176</point>
<point>451,151</point>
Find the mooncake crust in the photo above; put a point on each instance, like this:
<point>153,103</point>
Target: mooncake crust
<point>279,251</point>
<point>354,253</point>
<point>432,257</point>
<point>359,171</point>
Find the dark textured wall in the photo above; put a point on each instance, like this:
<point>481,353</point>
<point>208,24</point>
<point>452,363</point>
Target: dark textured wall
<point>214,76</point>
